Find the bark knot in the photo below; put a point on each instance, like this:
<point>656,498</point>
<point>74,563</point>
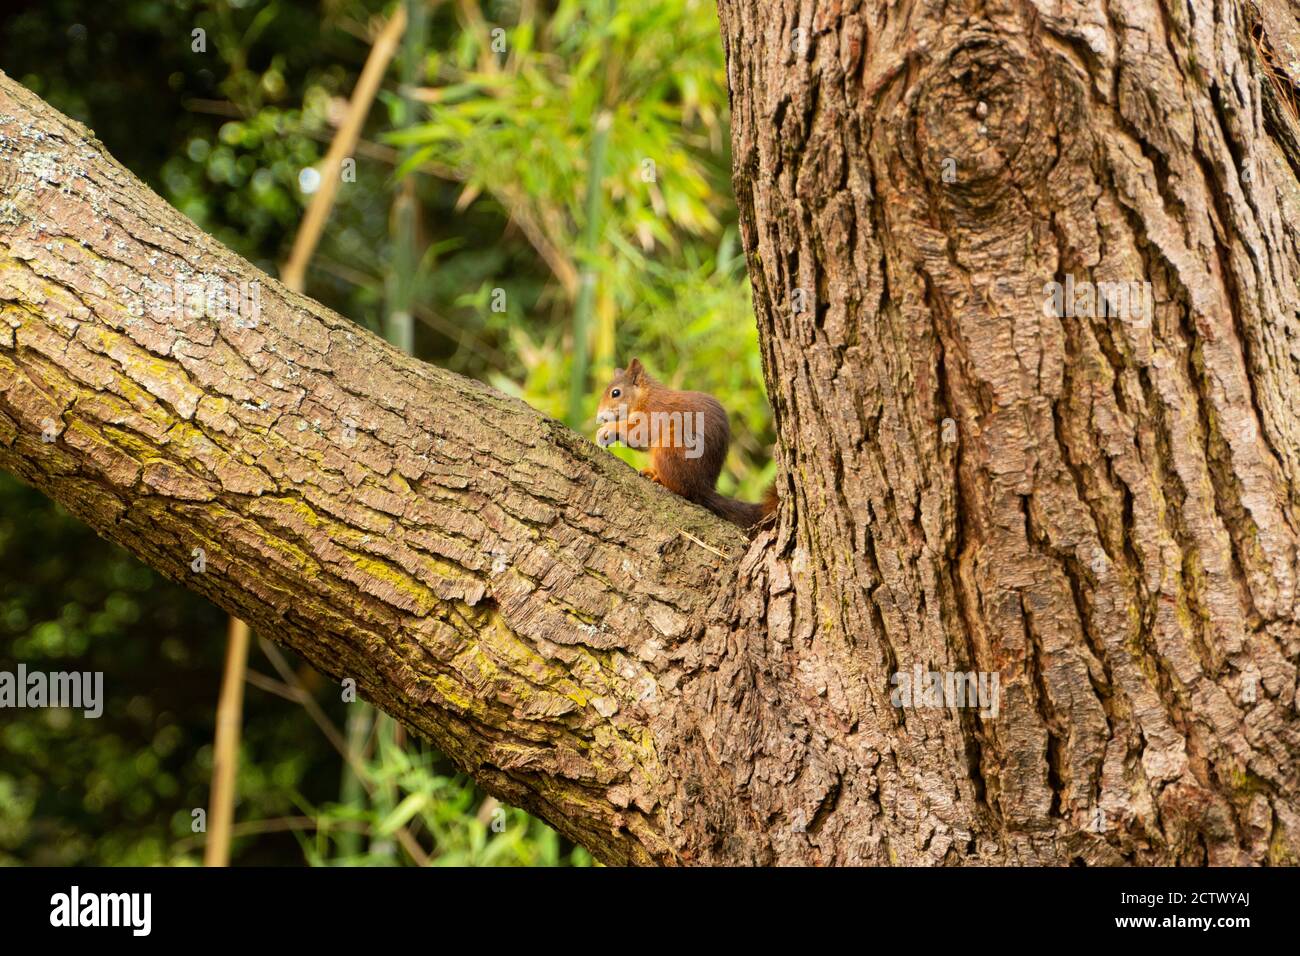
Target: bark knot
<point>981,122</point>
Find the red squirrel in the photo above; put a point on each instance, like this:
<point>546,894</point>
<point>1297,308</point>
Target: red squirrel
<point>687,435</point>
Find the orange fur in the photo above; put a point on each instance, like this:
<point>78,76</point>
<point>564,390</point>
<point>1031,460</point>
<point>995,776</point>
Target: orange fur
<point>690,476</point>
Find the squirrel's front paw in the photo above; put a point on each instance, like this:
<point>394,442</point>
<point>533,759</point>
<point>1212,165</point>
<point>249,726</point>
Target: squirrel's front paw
<point>650,473</point>
<point>606,435</point>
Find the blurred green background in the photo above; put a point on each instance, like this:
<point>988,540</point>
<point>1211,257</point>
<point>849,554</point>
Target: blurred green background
<point>495,133</point>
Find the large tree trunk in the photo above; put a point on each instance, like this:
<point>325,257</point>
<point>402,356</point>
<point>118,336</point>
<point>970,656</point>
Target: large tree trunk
<point>1101,512</point>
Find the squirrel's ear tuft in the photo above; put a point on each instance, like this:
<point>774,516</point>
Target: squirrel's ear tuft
<point>635,370</point>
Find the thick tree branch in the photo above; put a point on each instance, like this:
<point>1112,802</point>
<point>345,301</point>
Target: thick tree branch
<point>496,582</point>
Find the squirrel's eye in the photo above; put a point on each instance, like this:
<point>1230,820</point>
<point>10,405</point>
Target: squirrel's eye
<point>615,392</point>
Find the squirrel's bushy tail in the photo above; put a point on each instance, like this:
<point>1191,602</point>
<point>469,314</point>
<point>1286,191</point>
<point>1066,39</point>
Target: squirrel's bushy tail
<point>745,514</point>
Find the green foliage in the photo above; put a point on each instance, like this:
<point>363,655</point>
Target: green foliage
<point>117,789</point>
<point>515,127</point>
<point>438,808</point>
<point>499,160</point>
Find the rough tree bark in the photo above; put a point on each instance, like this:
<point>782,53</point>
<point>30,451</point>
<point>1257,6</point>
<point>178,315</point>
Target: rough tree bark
<point>1114,528</point>
<point>1102,512</point>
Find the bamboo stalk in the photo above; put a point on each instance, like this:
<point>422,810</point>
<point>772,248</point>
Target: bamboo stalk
<point>587,285</point>
<point>399,327</point>
<point>225,750</point>
<point>352,791</point>
<point>322,201</point>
